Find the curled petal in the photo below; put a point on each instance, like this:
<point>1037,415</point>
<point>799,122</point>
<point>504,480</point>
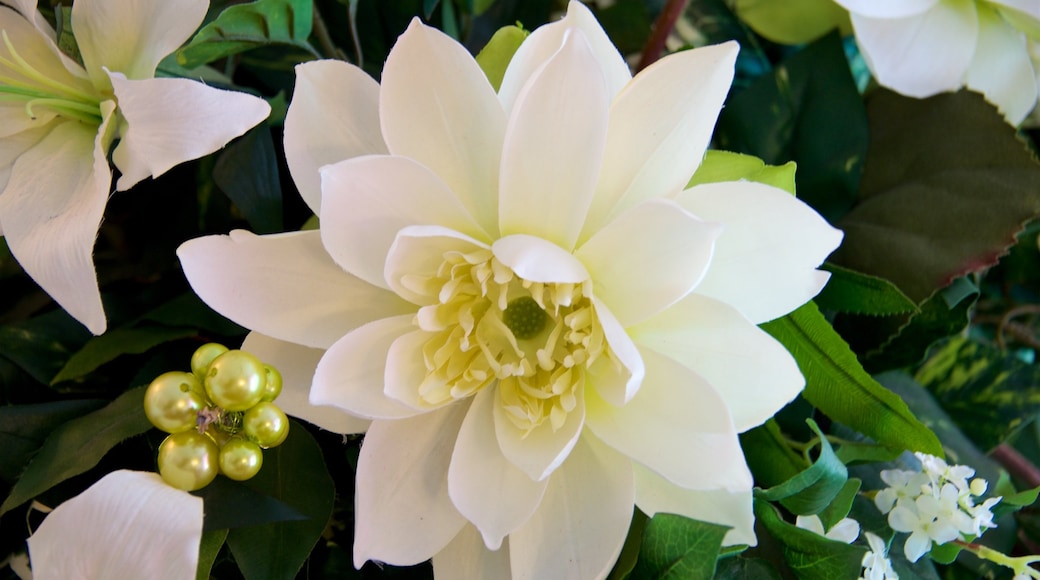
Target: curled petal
<point>466,557</point>
<point>537,260</point>
<point>417,253</point>
<point>540,452</point>
<point>616,384</point>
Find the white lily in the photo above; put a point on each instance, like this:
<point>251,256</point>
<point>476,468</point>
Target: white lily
<point>58,120</point>
<point>924,47</point>
<point>542,325</point>
<point>130,524</point>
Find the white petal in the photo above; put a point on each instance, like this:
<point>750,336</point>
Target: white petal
<point>887,8</point>
<point>543,43</point>
<point>616,385</point>
<point>655,494</point>
<point>485,487</point>
<point>659,129</point>
<point>582,523</point>
<point>403,514</point>
<point>847,530</point>
<point>12,147</point>
<point>753,373</point>
<point>333,115</point>
<point>33,40</point>
<point>765,259</point>
<point>127,525</point>
<point>538,260</point>
<point>284,286</point>
<point>916,546</point>
<point>367,200</point>
<point>812,523</point>
<point>417,252</point>
<point>648,258</point>
<point>437,107</point>
<point>132,36</point>
<point>676,425</point>
<point>351,374</point>
<point>1022,14</point>
<point>29,9</point>
<point>1002,69</point>
<point>296,364</point>
<point>406,370</point>
<point>50,212</point>
<point>14,120</point>
<point>540,452</point>
<point>466,558</point>
<point>902,53</point>
<point>170,121</point>
<point>554,146</point>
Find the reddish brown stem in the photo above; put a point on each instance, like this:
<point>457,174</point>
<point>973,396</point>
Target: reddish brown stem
<point>1017,464</point>
<point>662,28</point>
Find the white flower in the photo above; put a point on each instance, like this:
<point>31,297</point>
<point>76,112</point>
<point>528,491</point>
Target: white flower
<point>847,530</point>
<point>939,472</point>
<point>925,522</point>
<point>876,565</point>
<point>542,325</point>
<point>924,47</point>
<point>903,486</point>
<point>58,121</point>
<point>127,525</point>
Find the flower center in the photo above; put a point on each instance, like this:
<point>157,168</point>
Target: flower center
<point>536,339</point>
<point>21,82</point>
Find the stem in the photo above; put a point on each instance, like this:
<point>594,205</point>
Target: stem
<point>662,28</point>
<point>321,31</point>
<point>1020,565</point>
<point>1016,464</point>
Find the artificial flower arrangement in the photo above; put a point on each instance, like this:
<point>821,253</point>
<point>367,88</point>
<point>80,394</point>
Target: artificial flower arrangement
<point>693,290</point>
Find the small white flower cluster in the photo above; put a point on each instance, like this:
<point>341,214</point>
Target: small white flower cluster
<point>936,504</point>
<point>876,565</point>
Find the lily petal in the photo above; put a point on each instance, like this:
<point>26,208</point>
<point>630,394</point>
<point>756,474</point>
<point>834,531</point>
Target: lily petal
<point>170,121</point>
<point>677,425</point>
<point>480,477</point>
<point>1022,14</point>
<point>540,452</point>
<point>367,200</point>
<point>660,125</point>
<point>437,107</point>
<point>12,147</point>
<point>33,40</point>
<point>532,258</point>
<point>417,253</point>
<point>1002,69</point>
<point>648,259</point>
<point>583,520</point>
<point>50,212</point>
<point>753,373</point>
<point>284,286</point>
<point>132,36</point>
<point>765,259</point>
<point>296,364</point>
<point>130,524</point>
<point>655,494</point>
<point>887,8</point>
<point>554,146</point>
<point>402,511</point>
<point>351,374</point>
<point>333,115</point>
<point>466,558</point>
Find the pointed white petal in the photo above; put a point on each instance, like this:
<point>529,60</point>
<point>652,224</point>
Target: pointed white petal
<point>437,107</point>
<point>582,523</point>
<point>130,524</point>
<point>616,385</point>
<point>537,260</point>
<point>648,258</point>
<point>677,425</point>
<point>416,254</point>
<point>554,146</point>
<point>1002,69</point>
<point>765,259</point>
<point>132,36</point>
<point>333,115</point>
<point>486,488</point>
<point>170,121</point>
<point>351,374</point>
<point>296,364</point>
<point>284,286</point>
<point>902,52</point>
<point>546,40</point>
<point>655,494</point>
<point>50,212</point>
<point>540,452</point>
<point>367,200</point>
<point>466,558</point>
<point>33,40</point>
<point>753,373</point>
<point>403,514</point>
<point>887,8</point>
<point>660,126</point>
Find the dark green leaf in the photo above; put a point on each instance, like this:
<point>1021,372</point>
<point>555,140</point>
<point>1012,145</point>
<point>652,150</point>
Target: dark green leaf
<point>212,542</point>
<point>771,459</point>
<point>810,556</point>
<point>849,291</point>
<point>626,562</point>
<point>841,504</point>
<point>246,26</point>
<point>428,7</point>
<point>627,23</point>
<point>247,171</point>
<point>41,346</point>
<point>1015,502</point>
<point>814,488</point>
<point>741,568</point>
<point>189,310</point>
<point>115,343</point>
<point>679,548</point>
<point>231,504</point>
<point>838,386</point>
<point>78,445</point>
<point>850,453</point>
<point>496,54</point>
<point>23,428</point>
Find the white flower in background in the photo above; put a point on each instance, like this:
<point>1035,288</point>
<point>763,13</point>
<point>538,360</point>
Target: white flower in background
<point>846,531</point>
<point>58,121</point>
<point>924,47</point>
<point>542,325</point>
<point>876,565</point>
<point>130,524</point>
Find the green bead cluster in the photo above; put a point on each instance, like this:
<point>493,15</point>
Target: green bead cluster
<point>220,417</point>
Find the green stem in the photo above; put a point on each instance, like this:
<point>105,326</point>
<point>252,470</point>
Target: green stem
<point>27,69</point>
<point>1020,565</point>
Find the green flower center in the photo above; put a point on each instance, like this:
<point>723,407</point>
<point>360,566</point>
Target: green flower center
<point>21,82</point>
<point>524,317</point>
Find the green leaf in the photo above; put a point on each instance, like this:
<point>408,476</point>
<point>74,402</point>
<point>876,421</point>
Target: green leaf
<point>946,187</point>
<point>720,166</point>
<point>678,547</point>
<point>850,453</point>
<point>233,504</point>
<point>246,26</point>
<point>793,21</point>
<point>293,473</point>
<point>813,489</point>
<point>857,293</point>
<point>189,310</point>
<point>79,445</point>
<point>23,428</point>
<point>42,345</point>
<point>810,556</point>
<point>742,568</point>
<point>247,171</point>
<point>1015,502</point>
<point>115,343</point>
<point>626,562</point>
<point>839,507</point>
<point>496,54</point>
<point>771,459</point>
<point>212,542</point>
<point>838,386</point>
